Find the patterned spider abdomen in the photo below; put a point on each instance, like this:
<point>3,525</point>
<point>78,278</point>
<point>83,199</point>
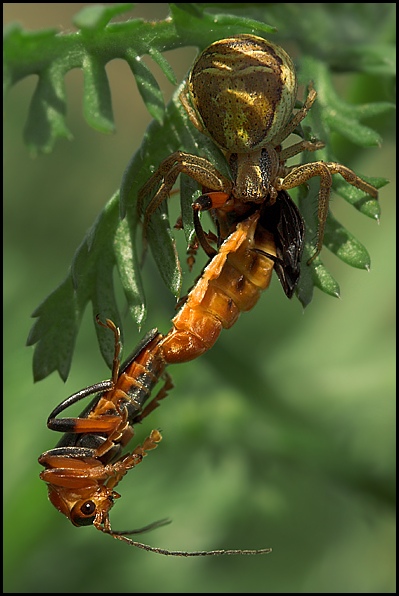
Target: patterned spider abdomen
<point>243,88</point>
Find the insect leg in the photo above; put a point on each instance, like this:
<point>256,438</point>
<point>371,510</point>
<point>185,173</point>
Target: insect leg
<point>117,470</point>
<point>162,393</point>
<point>117,335</point>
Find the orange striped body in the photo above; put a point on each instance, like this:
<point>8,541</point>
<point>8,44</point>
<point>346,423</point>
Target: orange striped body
<point>86,465</point>
<point>231,283</point>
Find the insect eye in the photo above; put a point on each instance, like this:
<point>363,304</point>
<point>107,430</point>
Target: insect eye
<point>83,513</point>
<point>88,508</point>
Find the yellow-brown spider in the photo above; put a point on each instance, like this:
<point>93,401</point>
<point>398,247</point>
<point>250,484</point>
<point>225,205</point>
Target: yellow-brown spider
<point>241,93</point>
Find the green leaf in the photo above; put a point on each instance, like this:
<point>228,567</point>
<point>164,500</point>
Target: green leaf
<point>193,9</point>
<point>314,274</point>
<point>304,290</point>
<point>97,103</point>
<point>127,260</point>
<point>158,142</point>
<point>247,24</point>
<point>338,115</point>
<point>350,129</point>
<point>375,58</point>
<point>163,64</point>
<point>206,27</point>
<point>163,248</point>
<point>323,280</point>
<point>361,201</point>
<point>147,85</point>
<point>104,304</point>
<point>112,241</point>
<point>55,332</point>
<point>344,245</point>
<point>96,17</point>
<point>89,279</point>
<point>46,120</point>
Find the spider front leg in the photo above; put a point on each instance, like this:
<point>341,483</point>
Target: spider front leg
<point>299,148</point>
<point>297,118</point>
<point>300,174</point>
<point>198,168</point>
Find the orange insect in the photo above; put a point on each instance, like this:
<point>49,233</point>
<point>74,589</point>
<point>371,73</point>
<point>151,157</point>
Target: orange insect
<point>83,470</point>
<point>271,236</point>
<point>86,466</point>
<point>259,228</point>
<point>230,284</point>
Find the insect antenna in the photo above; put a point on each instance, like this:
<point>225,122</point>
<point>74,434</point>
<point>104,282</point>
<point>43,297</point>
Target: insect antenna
<point>177,553</point>
<point>152,526</point>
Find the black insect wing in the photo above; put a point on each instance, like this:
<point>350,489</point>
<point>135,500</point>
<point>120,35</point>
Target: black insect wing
<point>284,220</point>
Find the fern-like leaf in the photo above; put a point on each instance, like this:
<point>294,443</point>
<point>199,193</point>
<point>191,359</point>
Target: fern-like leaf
<point>114,242</point>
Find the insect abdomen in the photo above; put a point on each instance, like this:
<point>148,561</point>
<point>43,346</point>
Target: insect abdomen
<point>231,283</point>
<point>141,375</point>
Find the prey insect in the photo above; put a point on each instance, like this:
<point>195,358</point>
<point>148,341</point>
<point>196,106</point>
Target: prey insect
<point>84,468</point>
<point>86,465</point>
<point>269,238</point>
<point>241,93</point>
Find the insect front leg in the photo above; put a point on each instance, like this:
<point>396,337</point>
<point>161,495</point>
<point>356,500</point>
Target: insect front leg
<point>117,470</point>
<point>353,179</point>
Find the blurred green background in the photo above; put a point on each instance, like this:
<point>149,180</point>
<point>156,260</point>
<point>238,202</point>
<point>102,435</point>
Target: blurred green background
<point>281,436</point>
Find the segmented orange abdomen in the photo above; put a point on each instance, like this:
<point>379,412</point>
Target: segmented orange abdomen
<point>133,387</point>
<point>139,376</point>
<point>231,283</point>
